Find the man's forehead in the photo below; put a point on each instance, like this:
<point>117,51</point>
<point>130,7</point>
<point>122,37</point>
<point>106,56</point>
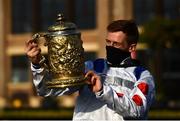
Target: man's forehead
<point>116,35</point>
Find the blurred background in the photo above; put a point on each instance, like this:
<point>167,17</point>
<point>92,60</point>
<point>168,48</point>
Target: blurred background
<point>159,48</point>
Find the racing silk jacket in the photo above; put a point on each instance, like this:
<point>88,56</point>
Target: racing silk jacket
<point>128,91</point>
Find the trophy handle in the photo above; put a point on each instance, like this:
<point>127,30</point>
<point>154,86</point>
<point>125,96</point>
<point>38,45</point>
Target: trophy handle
<point>35,38</point>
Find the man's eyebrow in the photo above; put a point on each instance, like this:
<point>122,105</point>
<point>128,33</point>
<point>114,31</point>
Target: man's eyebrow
<point>108,40</point>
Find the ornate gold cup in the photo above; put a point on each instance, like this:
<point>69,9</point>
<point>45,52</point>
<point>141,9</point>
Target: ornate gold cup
<point>65,61</point>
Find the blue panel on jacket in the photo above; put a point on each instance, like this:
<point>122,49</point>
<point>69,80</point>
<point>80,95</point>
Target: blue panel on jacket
<point>138,70</point>
<point>100,65</point>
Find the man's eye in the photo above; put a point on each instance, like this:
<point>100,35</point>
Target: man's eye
<point>115,43</point>
<point>108,41</point>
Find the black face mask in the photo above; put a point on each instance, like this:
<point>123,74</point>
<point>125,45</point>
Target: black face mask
<point>115,56</point>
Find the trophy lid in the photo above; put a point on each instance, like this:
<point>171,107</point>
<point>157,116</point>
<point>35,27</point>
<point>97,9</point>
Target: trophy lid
<point>63,27</point>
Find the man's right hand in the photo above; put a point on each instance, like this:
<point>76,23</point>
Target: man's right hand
<point>33,51</point>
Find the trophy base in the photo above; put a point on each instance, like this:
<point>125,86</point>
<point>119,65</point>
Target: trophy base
<point>66,82</point>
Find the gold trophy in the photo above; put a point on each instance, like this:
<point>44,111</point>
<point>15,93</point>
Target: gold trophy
<point>65,61</point>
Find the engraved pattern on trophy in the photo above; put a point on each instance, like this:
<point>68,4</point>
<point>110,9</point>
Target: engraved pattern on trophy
<point>66,55</point>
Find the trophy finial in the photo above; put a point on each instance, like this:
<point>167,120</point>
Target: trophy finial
<point>60,18</point>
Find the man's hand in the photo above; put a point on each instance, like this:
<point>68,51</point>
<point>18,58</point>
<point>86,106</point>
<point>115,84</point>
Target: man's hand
<point>94,81</point>
<point>33,51</point>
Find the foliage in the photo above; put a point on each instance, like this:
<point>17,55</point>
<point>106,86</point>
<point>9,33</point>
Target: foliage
<point>161,33</point>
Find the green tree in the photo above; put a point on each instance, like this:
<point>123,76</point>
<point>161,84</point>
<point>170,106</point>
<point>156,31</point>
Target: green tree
<point>160,34</point>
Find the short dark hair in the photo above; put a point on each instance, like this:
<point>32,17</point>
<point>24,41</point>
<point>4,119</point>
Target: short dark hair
<point>129,27</point>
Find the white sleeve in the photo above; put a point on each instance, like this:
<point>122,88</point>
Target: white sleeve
<point>134,103</point>
<point>40,76</point>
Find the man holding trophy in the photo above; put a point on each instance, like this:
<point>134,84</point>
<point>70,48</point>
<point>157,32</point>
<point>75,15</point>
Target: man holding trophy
<point>116,88</point>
